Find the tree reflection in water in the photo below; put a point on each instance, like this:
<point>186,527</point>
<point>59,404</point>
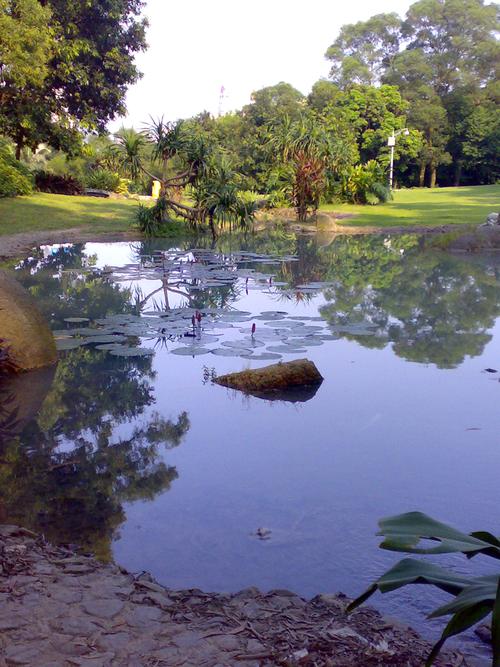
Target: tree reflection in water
<point>68,472</point>
<point>96,444</point>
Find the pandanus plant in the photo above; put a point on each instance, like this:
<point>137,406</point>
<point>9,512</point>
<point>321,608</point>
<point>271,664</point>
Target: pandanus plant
<point>212,183</point>
<point>312,152</point>
<point>475,598</point>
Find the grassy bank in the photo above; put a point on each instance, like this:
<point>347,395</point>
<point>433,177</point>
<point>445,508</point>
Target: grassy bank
<point>442,206</point>
<point>44,212</point>
<point>424,207</point>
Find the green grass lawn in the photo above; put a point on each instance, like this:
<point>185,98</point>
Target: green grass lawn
<point>44,212</point>
<point>421,206</point>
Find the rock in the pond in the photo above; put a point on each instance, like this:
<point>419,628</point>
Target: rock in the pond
<point>23,331</point>
<point>278,377</point>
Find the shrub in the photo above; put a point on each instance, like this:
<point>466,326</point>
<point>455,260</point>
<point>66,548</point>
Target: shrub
<point>15,178</point>
<point>364,184</point>
<point>12,181</point>
<point>122,188</point>
<point>149,218</point>
<point>45,181</point>
<point>103,179</point>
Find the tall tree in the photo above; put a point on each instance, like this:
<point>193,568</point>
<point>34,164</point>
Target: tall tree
<point>363,51</point>
<point>444,54</point>
<point>87,74</point>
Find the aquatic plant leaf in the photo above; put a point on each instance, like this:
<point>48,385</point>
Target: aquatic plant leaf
<point>190,351</point>
<point>132,352</point>
<point>262,356</point>
<point>405,531</point>
<point>69,343</point>
<point>231,352</point>
<point>286,349</point>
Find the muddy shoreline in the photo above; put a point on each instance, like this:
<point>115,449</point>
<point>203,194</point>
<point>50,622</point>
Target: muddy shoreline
<point>16,245</point>
<point>62,608</point>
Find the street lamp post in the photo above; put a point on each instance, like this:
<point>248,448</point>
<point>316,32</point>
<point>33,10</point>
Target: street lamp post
<point>391,142</point>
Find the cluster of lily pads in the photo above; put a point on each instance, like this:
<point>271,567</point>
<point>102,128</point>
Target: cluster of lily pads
<point>227,332</point>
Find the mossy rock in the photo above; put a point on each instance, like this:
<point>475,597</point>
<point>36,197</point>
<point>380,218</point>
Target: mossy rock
<point>23,330</point>
<point>276,379</point>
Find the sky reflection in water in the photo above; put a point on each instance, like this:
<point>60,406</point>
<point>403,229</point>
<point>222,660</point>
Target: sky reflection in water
<point>405,419</point>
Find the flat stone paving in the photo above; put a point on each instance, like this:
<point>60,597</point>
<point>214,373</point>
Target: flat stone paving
<point>62,609</point>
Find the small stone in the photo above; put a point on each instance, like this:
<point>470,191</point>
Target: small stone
<point>226,642</point>
<point>254,646</point>
<point>103,608</point>
<point>346,633</point>
<point>484,633</point>
<point>143,616</point>
<point>11,623</point>
<point>69,625</point>
<point>168,653</point>
<point>114,642</point>
<point>66,596</point>
<point>188,639</point>
<point>22,654</point>
<point>94,660</point>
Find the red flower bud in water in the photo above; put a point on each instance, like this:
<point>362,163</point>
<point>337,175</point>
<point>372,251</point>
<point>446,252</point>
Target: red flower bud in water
<point>253,328</point>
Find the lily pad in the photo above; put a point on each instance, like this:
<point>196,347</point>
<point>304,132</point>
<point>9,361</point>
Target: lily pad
<point>190,351</point>
<point>69,343</point>
<point>76,320</point>
<point>286,349</point>
<point>231,352</point>
<point>132,352</point>
<point>262,356</point>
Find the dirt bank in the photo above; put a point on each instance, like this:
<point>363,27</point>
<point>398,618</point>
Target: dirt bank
<point>61,609</point>
<point>15,245</point>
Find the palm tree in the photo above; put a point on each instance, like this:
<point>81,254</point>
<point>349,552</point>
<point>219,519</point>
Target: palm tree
<point>306,145</point>
<point>209,175</point>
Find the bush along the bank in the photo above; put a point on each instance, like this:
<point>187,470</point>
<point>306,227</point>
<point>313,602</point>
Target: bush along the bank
<point>15,178</point>
<point>365,184</point>
<point>103,179</point>
<point>57,184</point>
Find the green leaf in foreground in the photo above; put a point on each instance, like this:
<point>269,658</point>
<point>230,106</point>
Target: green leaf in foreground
<point>474,597</point>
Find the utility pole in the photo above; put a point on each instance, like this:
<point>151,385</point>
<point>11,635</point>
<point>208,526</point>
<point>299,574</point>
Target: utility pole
<point>391,142</point>
<point>221,100</point>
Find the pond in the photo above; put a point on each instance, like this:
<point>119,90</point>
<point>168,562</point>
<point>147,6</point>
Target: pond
<point>128,448</point>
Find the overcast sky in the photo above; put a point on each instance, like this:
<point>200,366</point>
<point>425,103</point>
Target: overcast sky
<point>197,46</point>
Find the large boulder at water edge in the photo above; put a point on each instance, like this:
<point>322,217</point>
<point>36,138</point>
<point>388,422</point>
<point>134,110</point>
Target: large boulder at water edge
<point>23,330</point>
<point>275,379</point>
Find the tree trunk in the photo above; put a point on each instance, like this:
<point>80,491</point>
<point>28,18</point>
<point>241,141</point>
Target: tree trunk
<point>433,177</point>
<point>458,173</point>
<point>421,175</point>
<point>19,147</point>
<point>212,226</point>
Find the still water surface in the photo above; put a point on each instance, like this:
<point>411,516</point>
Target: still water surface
<point>144,460</point>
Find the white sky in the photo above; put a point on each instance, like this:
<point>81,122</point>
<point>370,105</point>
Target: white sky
<point>196,46</point>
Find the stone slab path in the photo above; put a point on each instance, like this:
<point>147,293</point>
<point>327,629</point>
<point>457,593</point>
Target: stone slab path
<point>62,609</point>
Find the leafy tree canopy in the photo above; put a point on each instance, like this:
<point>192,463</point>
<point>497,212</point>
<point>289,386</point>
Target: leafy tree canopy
<point>86,64</point>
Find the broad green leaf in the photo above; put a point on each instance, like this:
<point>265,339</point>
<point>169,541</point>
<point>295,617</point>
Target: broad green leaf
<point>404,532</point>
<point>479,590</point>
<point>411,571</point>
<point>460,622</point>
<point>495,629</point>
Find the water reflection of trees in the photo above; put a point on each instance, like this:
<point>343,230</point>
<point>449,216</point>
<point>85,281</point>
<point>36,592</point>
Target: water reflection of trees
<point>65,283</point>
<point>432,306</point>
<point>90,449</point>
